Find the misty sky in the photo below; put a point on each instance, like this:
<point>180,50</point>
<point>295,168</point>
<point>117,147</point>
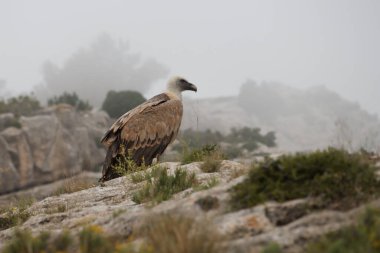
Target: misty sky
<point>215,44</point>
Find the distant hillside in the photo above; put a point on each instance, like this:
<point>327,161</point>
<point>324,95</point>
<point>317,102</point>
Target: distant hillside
<point>303,119</point>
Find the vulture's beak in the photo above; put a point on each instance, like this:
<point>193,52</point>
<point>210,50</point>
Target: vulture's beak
<point>192,87</point>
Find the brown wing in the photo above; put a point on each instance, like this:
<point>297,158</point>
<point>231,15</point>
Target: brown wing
<point>145,131</point>
<point>111,135</point>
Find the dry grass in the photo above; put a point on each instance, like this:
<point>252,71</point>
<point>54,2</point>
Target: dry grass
<point>172,233</point>
<point>212,162</point>
<point>73,185</point>
<point>59,208</point>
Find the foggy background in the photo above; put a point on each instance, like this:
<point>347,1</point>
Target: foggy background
<point>217,45</point>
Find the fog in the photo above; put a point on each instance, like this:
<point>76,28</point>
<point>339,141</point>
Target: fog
<point>217,45</point>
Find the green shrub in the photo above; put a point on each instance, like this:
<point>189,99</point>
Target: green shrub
<point>199,155</point>
<point>20,106</point>
<point>119,102</point>
<point>71,99</point>
<point>340,179</point>
<point>15,214</point>
<point>161,186</point>
<point>363,237</point>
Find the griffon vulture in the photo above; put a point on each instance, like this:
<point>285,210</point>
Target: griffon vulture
<point>144,132</point>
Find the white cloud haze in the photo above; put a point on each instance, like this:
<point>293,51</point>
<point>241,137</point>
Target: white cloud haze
<point>215,44</point>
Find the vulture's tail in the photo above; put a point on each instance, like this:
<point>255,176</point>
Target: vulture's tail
<point>109,172</point>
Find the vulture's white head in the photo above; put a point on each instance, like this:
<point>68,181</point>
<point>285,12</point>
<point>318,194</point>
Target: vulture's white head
<point>178,84</point>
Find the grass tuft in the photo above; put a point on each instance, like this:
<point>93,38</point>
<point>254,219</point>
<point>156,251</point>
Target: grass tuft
<point>15,214</point>
<point>160,186</point>
<point>213,181</point>
<point>92,240</point>
<point>340,179</point>
<point>24,242</point>
<point>212,162</point>
<point>73,185</point>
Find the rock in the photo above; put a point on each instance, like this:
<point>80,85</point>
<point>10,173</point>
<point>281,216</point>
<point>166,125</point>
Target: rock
<point>22,156</point>
<point>282,214</point>
<point>58,143</point>
<point>208,203</point>
<point>110,206</point>
<point>9,179</point>
<point>40,131</point>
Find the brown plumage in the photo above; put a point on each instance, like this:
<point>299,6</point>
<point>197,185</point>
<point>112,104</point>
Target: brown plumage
<point>144,132</point>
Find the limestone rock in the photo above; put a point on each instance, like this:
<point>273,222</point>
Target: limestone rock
<point>57,143</point>
<point>291,224</point>
<point>9,179</point>
<point>21,154</point>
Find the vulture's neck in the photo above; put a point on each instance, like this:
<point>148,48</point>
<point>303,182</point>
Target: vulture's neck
<point>174,94</point>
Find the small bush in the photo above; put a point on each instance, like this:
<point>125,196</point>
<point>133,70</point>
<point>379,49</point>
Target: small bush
<point>15,214</point>
<point>71,99</point>
<point>161,186</point>
<point>199,155</point>
<point>363,237</point>
<point>341,179</point>
<point>119,102</point>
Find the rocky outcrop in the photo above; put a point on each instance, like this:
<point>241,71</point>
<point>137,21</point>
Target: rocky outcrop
<point>307,119</point>
<point>57,143</point>
<point>291,224</point>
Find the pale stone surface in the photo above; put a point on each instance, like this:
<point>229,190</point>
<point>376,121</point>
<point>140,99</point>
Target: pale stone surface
<point>110,206</point>
<point>9,176</point>
<point>57,143</point>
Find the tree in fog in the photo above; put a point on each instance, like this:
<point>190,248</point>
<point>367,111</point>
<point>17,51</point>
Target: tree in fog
<point>119,102</point>
<point>105,65</point>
